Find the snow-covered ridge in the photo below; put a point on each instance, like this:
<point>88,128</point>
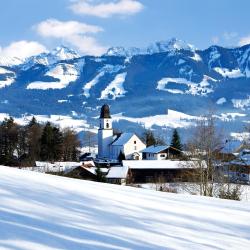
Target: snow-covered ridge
<point>10,61</point>
<point>58,54</point>
<point>171,45</point>
<point>40,211</point>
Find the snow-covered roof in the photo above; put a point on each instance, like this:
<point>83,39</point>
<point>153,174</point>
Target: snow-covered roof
<point>92,170</point>
<point>117,172</point>
<point>154,149</point>
<point>122,139</point>
<point>231,146</point>
<point>154,164</point>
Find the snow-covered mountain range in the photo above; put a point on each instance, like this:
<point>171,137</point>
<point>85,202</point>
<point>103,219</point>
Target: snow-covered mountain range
<point>139,83</point>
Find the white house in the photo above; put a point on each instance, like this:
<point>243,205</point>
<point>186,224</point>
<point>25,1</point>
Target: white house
<point>159,152</point>
<point>155,153</point>
<point>110,146</point>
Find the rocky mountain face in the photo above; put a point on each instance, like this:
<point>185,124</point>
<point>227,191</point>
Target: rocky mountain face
<point>136,82</point>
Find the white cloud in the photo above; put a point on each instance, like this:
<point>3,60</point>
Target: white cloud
<point>59,29</point>
<point>244,40</point>
<point>230,35</point>
<point>87,45</point>
<point>22,49</point>
<point>215,39</point>
<point>74,33</point>
<point>105,10</point>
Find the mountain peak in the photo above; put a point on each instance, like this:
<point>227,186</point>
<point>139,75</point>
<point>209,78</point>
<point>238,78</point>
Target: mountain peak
<point>121,51</point>
<point>172,44</point>
<point>64,53</point>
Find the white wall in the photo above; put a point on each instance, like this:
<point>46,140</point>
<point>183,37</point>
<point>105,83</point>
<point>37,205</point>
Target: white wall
<point>154,156</point>
<point>134,145</point>
<point>105,138</point>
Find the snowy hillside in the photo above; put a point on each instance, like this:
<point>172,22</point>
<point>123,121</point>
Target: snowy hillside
<point>39,211</point>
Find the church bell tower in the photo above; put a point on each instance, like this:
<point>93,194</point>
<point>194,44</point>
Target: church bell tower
<point>105,133</point>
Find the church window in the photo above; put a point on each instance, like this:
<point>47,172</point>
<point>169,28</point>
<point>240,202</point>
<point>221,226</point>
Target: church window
<point>107,125</point>
<point>134,142</point>
<point>135,148</point>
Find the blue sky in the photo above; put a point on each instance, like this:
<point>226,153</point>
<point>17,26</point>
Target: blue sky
<point>29,27</point>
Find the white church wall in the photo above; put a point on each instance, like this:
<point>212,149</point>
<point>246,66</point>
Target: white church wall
<point>134,145</point>
<point>105,138</point>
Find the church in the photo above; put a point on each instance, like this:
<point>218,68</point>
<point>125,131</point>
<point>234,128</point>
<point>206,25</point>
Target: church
<point>110,145</point>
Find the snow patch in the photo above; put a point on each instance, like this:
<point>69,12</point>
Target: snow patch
<point>221,101</point>
<point>196,57</point>
<point>91,84</point>
<point>229,116</point>
<point>213,56</point>
<point>180,61</point>
<point>106,69</point>
<point>115,89</point>
<point>202,88</point>
<point>241,103</point>
<point>7,82</point>
<point>65,73</point>
<point>62,101</point>
<point>234,73</point>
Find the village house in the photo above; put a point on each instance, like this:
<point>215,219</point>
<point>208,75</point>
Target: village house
<point>158,152</point>
<point>238,169</point>
<point>110,146</point>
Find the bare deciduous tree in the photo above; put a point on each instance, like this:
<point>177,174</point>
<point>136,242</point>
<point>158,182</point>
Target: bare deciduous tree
<point>203,150</point>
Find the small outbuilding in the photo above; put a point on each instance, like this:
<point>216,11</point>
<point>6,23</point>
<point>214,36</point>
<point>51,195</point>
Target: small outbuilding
<point>117,175</point>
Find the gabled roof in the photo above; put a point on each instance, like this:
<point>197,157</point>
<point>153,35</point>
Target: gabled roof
<point>122,139</point>
<point>154,149</point>
<point>119,172</point>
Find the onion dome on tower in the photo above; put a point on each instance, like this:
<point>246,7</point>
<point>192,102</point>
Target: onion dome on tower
<point>105,113</point>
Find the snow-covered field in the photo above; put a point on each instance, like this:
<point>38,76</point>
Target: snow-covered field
<point>39,211</point>
<point>173,119</point>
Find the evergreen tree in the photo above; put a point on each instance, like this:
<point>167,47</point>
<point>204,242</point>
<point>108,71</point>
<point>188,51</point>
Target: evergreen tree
<point>34,133</point>
<point>149,138</point>
<point>176,142</point>
<point>121,156</point>
<point>8,142</point>
<point>51,143</point>
<point>100,177</point>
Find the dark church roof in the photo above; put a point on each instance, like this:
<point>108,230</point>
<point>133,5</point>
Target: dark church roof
<point>105,111</point>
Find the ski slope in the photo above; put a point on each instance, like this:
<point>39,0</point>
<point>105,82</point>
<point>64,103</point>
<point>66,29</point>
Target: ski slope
<point>39,211</point>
